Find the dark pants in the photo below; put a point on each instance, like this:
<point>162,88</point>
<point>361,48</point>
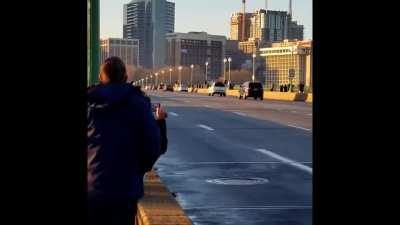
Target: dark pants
<point>106,212</point>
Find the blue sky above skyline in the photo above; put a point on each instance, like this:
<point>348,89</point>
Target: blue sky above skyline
<point>211,16</point>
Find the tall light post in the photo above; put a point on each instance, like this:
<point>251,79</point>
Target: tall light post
<point>254,67</point>
<point>225,60</point>
<point>142,80</point>
<point>162,76</point>
<point>151,80</point>
<point>292,74</point>
<point>156,80</point>
<point>170,75</point>
<point>229,66</point>
<point>206,72</point>
<point>180,75</point>
<point>146,80</point>
<point>191,74</point>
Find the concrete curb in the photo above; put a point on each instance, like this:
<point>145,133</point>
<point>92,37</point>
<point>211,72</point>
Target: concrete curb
<point>309,98</point>
<point>158,206</point>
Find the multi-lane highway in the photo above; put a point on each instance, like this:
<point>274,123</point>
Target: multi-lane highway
<point>238,162</point>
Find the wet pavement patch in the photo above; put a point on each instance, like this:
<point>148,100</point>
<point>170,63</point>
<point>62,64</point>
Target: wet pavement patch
<point>238,181</point>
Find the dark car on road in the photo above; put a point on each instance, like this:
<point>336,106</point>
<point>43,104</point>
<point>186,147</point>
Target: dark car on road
<point>251,89</point>
<point>169,88</point>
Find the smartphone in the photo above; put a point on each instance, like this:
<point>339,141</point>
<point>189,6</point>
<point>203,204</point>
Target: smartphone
<point>154,106</point>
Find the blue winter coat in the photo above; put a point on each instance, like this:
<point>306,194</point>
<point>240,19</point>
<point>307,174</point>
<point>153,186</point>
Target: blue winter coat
<point>124,141</point>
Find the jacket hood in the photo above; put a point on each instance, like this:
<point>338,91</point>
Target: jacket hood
<point>104,96</point>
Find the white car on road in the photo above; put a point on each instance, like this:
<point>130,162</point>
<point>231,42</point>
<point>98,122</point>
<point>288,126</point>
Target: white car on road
<point>180,88</point>
<point>218,88</point>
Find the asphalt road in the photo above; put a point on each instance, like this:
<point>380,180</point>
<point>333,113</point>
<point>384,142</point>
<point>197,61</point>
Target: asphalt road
<point>238,162</point>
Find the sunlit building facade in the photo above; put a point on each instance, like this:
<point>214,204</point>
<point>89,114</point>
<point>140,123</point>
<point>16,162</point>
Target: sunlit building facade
<point>282,58</point>
<point>126,49</point>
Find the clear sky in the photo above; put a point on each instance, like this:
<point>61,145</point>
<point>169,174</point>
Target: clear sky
<point>211,16</point>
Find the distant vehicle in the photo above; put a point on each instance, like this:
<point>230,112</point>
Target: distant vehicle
<point>181,88</point>
<point>161,87</point>
<point>169,88</point>
<point>251,89</point>
<point>218,88</point>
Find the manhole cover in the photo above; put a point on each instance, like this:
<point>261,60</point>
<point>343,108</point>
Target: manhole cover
<point>238,181</point>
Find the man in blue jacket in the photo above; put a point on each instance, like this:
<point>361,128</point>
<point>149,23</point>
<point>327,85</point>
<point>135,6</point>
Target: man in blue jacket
<point>125,139</point>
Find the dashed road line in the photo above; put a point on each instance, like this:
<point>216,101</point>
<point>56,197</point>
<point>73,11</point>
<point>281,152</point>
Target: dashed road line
<point>240,113</point>
<point>173,114</point>
<point>205,127</point>
<point>301,128</point>
<point>285,160</point>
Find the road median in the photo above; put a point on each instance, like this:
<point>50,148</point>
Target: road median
<point>158,206</point>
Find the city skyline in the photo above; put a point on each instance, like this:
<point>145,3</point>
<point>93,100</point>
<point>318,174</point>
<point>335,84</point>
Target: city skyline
<point>215,22</point>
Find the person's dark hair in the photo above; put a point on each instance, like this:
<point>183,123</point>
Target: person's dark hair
<point>114,68</point>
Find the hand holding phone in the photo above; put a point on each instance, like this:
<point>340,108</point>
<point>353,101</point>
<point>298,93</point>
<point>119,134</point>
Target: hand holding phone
<point>154,106</point>
<point>160,113</point>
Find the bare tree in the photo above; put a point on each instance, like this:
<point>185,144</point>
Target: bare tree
<point>240,76</point>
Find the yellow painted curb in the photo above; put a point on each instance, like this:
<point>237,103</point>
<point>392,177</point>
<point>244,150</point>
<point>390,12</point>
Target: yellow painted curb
<point>158,206</point>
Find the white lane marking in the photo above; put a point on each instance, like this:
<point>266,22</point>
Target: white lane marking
<point>205,127</point>
<point>173,114</point>
<point>301,128</point>
<point>310,114</point>
<point>240,113</point>
<point>286,160</point>
<point>208,163</point>
<point>267,207</point>
<point>206,105</point>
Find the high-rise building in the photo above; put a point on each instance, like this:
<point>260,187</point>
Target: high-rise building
<point>250,46</point>
<point>258,25</point>
<point>237,26</point>
<point>126,49</point>
<point>288,62</point>
<point>197,48</point>
<point>296,31</point>
<point>149,21</point>
<point>170,17</point>
<point>264,27</point>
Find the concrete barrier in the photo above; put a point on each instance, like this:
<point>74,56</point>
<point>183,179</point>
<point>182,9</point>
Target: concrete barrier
<point>234,93</point>
<point>309,98</point>
<point>158,206</point>
<point>284,96</point>
<point>202,91</point>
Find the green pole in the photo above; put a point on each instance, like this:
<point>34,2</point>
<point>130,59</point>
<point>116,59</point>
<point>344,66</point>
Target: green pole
<point>94,41</point>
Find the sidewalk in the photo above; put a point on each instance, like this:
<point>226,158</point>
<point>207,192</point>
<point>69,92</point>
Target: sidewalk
<point>158,206</point>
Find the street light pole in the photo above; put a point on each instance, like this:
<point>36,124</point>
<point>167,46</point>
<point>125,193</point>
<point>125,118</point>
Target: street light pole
<point>290,77</point>
<point>225,60</point>
<point>254,67</point>
<point>229,78</point>
<point>191,74</point>
<point>180,75</point>
<point>156,80</point>
<point>151,80</point>
<point>162,76</point>
<point>170,76</point>
<point>146,81</point>
<point>206,71</point>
